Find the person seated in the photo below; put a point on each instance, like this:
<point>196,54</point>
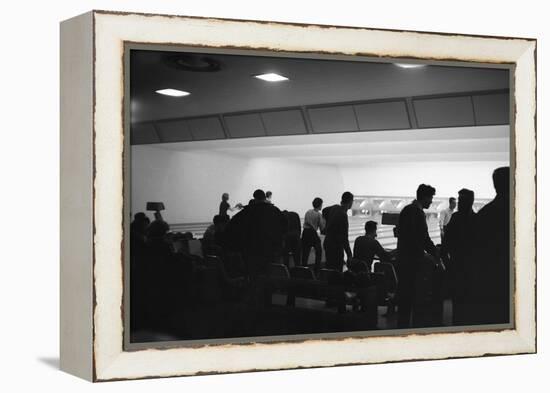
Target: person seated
<point>157,278</point>
<point>212,239</point>
<point>138,230</point>
<point>367,247</point>
<point>138,250</point>
<point>157,243</point>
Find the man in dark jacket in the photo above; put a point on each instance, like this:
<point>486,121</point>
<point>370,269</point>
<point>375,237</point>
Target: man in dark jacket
<point>412,242</point>
<point>257,233</point>
<point>458,244</point>
<point>337,232</point>
<point>292,243</point>
<point>490,294</point>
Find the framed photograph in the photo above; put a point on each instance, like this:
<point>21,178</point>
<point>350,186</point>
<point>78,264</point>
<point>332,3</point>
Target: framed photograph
<point>245,195</point>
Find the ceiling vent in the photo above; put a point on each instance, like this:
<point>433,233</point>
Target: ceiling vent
<point>194,63</point>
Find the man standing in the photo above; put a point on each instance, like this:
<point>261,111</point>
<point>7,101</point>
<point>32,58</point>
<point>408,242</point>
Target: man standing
<point>292,244</point>
<point>313,221</point>
<point>412,241</point>
<point>225,206</point>
<point>445,216</point>
<point>459,244</point>
<point>490,294</point>
<point>336,240</point>
<point>257,233</point>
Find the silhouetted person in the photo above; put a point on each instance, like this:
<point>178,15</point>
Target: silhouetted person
<point>138,229</point>
<point>324,214</point>
<point>158,279</point>
<point>445,216</point>
<point>412,241</point>
<point>138,249</point>
<point>225,206</point>
<point>337,232</point>
<point>313,221</point>
<point>268,196</point>
<point>490,295</point>
<point>458,243</point>
<point>366,247</point>
<point>259,196</point>
<point>292,242</point>
<point>257,233</point>
<point>212,240</point>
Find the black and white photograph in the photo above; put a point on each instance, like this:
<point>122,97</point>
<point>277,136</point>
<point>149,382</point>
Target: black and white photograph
<point>274,196</point>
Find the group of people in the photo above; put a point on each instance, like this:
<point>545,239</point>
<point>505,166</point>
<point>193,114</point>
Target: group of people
<point>264,234</point>
<point>477,248</point>
<point>261,221</point>
<point>474,252</point>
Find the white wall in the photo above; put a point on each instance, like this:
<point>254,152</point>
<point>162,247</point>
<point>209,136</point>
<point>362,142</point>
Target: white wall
<point>403,178</point>
<point>191,183</point>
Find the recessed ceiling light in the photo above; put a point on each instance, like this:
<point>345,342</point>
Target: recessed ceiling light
<point>271,77</point>
<point>173,92</point>
<point>404,65</point>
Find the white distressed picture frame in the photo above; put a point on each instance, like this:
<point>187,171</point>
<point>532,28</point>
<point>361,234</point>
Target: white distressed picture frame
<point>92,195</point>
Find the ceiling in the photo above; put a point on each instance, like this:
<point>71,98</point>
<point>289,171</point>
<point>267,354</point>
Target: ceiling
<point>435,113</point>
<point>312,82</point>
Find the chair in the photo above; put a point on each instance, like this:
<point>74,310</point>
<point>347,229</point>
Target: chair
<point>330,276</point>
<point>358,266</point>
<point>195,247</point>
<point>336,295</point>
<point>386,295</point>
<point>388,270</point>
<point>302,272</point>
<point>207,286</point>
<point>215,262</point>
<point>232,286</point>
<point>277,281</point>
<point>278,270</point>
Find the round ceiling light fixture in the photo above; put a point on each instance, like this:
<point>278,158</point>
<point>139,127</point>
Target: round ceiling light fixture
<point>408,65</point>
<point>193,63</point>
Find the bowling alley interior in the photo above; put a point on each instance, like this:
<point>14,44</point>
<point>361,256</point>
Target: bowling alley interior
<point>289,195</point>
